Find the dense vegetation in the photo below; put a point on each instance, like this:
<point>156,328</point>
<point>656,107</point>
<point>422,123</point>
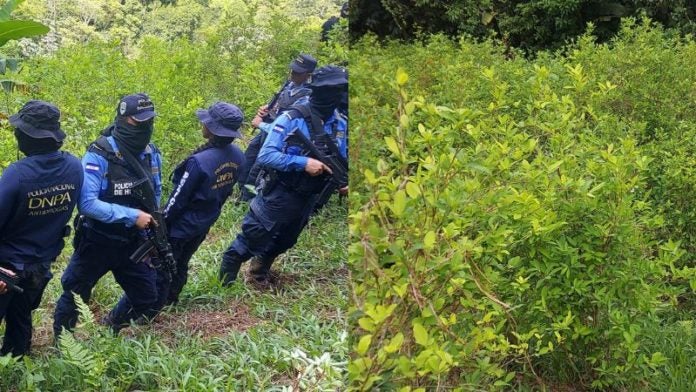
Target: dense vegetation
<point>527,24</point>
<point>524,223</point>
<point>216,338</point>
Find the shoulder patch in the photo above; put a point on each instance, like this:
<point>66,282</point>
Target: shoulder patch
<point>279,128</point>
<point>92,168</point>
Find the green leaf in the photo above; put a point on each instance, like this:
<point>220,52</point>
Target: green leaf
<point>412,190</point>
<point>7,9</point>
<point>657,359</point>
<point>429,240</point>
<point>554,166</point>
<point>404,121</point>
<point>364,344</point>
<point>395,344</point>
<point>16,29</point>
<point>401,77</point>
<point>478,168</point>
<point>366,323</point>
<point>487,17</point>
<point>7,85</point>
<point>399,204</point>
<point>420,334</point>
<point>370,176</point>
<point>392,146</point>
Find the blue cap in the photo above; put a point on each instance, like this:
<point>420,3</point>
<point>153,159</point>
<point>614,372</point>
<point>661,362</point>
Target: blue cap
<point>329,75</point>
<point>39,120</point>
<point>222,119</point>
<point>304,63</point>
<point>139,106</point>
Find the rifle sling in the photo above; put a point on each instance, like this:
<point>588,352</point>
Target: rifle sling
<point>149,189</point>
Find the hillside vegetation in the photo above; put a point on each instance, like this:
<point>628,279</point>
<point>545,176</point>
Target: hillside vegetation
<point>524,224</point>
<point>216,338</point>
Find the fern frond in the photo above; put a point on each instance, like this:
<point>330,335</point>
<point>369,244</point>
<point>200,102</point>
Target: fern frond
<point>86,315</point>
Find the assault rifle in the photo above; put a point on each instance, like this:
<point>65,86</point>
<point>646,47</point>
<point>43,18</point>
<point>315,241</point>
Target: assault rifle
<point>157,240</point>
<point>158,243</point>
<point>272,102</point>
<point>10,281</point>
<point>335,161</point>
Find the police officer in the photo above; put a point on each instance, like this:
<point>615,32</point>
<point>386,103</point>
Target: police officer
<point>294,89</point>
<point>276,217</point>
<point>202,184</point>
<point>331,23</point>
<point>115,166</point>
<point>340,130</point>
<point>38,195</point>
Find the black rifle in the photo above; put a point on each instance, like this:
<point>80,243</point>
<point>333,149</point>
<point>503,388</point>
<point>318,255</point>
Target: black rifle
<point>272,102</point>
<point>10,281</point>
<point>156,236</point>
<point>157,243</point>
<point>335,161</point>
<point>157,239</point>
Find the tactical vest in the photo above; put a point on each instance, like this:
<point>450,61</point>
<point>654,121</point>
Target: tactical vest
<point>286,99</point>
<point>120,181</point>
<point>300,181</point>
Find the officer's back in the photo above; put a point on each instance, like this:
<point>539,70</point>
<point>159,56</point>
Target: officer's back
<point>47,185</point>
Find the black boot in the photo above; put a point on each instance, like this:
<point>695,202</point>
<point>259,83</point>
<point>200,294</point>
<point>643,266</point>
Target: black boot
<point>108,321</point>
<point>229,268</point>
<point>260,272</point>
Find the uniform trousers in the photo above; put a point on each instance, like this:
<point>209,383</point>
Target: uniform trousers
<point>90,262</point>
<point>271,227</point>
<point>167,292</point>
<point>16,308</point>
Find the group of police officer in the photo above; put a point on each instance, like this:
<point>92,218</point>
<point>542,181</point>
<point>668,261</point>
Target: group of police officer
<point>118,185</point>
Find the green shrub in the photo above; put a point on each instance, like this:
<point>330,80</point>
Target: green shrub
<point>517,235</point>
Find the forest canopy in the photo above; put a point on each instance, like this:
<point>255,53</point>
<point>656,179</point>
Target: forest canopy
<point>526,24</point>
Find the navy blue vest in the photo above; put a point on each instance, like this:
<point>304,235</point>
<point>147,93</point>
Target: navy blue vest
<point>49,187</point>
<point>214,182</point>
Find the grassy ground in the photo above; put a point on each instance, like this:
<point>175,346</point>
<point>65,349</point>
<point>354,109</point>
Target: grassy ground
<point>216,338</point>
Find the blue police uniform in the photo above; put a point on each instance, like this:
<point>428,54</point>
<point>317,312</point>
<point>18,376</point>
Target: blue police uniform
<point>336,125</point>
<point>202,184</point>
<point>288,94</point>
<point>278,215</point>
<point>202,187</point>
<point>108,236</point>
<point>38,195</point>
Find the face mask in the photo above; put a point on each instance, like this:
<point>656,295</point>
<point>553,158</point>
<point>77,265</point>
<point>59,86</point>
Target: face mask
<point>134,138</point>
<point>325,100</point>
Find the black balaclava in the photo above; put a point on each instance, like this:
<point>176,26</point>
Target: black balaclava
<point>325,99</point>
<point>133,138</point>
<point>30,146</point>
